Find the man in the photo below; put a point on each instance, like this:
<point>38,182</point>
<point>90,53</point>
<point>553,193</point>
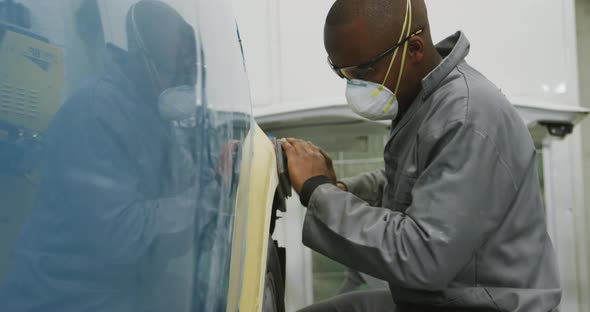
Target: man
<point>455,220</point>
<point>113,209</point>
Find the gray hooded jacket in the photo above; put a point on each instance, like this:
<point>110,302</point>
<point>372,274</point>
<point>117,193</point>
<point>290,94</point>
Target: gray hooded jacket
<point>455,221</point>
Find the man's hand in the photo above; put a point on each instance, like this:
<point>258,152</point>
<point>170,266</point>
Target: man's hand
<point>306,161</point>
<point>329,164</point>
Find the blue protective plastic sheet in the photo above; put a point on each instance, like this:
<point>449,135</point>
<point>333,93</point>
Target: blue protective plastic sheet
<point>119,205</point>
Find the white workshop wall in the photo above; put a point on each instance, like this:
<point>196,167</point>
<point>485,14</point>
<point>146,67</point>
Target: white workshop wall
<point>283,42</point>
<point>583,32</point>
<point>521,45</point>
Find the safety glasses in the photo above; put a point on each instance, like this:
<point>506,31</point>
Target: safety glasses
<point>361,71</point>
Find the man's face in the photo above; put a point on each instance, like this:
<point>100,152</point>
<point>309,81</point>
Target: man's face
<point>353,44</point>
<point>186,58</point>
<point>167,42</point>
<point>176,57</point>
<point>165,56</point>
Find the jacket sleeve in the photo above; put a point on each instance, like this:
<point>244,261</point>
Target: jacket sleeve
<point>367,186</point>
<point>464,184</point>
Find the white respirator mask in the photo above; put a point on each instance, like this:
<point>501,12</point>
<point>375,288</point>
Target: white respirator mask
<point>179,105</point>
<point>371,100</point>
<point>375,101</point>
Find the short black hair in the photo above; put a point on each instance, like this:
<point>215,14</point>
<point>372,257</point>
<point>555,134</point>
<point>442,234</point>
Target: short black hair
<point>382,16</point>
<point>379,11</point>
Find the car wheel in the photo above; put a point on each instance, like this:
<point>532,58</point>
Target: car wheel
<point>274,284</point>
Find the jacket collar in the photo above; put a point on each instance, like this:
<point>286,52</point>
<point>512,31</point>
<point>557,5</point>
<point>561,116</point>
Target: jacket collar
<point>454,49</point>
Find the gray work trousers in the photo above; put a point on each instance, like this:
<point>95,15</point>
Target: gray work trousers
<point>360,301</point>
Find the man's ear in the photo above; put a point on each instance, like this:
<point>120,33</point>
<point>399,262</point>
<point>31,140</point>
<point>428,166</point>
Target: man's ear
<point>416,49</point>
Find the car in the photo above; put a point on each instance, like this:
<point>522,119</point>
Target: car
<point>133,176</point>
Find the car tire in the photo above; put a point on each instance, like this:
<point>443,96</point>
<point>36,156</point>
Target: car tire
<point>274,283</point>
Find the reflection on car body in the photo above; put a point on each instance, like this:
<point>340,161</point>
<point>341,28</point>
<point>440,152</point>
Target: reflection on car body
<point>133,209</point>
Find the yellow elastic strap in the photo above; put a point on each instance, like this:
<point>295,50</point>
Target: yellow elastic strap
<point>399,78</point>
<point>386,108</point>
<point>401,71</point>
<point>401,37</point>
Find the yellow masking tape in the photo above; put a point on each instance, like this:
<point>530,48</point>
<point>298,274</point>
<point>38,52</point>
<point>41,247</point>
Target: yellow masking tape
<point>253,213</point>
